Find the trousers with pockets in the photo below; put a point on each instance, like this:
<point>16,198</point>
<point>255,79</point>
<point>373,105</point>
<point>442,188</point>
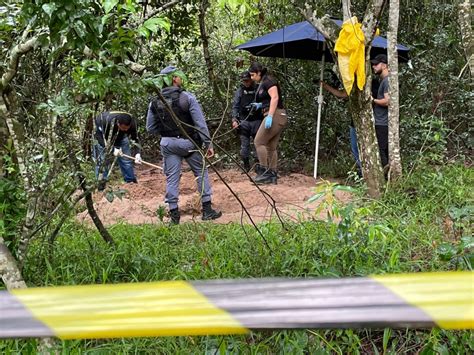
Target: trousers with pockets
<point>174,150</point>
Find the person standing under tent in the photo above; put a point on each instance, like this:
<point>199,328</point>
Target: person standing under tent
<point>268,98</point>
<point>380,99</point>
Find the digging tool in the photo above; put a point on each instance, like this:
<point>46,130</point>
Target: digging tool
<point>119,153</point>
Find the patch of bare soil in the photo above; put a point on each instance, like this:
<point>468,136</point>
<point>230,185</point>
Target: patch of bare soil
<point>142,200</point>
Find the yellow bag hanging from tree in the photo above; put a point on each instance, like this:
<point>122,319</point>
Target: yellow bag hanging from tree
<point>350,47</point>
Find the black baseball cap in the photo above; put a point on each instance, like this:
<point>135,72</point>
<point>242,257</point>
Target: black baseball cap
<point>379,58</point>
<point>245,75</point>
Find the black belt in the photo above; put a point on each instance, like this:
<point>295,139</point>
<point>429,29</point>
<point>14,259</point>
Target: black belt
<point>180,137</point>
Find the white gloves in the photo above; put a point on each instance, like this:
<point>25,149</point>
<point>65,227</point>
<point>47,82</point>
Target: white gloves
<point>138,158</point>
<point>117,152</point>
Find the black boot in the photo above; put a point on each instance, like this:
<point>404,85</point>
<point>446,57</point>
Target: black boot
<point>174,216</point>
<point>259,169</point>
<point>246,164</point>
<point>269,176</point>
<point>102,184</point>
<point>208,213</point>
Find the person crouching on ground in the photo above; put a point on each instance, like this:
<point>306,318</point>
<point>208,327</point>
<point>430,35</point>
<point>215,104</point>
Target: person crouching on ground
<point>123,125</point>
<point>268,99</point>
<point>244,118</point>
<point>176,146</point>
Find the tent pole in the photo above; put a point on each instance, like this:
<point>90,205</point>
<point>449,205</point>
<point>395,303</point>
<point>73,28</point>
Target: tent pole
<point>320,105</point>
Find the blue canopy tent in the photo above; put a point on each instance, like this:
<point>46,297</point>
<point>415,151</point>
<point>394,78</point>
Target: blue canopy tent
<point>302,41</point>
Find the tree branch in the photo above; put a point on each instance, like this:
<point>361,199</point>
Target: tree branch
<point>371,19</point>
<point>160,9</point>
<point>324,25</point>
<point>135,67</point>
<point>17,52</point>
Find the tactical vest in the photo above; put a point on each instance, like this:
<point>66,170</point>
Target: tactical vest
<point>166,125</point>
<point>248,96</point>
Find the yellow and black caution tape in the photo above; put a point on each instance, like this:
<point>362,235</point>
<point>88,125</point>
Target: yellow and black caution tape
<point>444,299</point>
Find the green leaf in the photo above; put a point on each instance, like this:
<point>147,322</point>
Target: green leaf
<point>109,195</point>
<point>105,19</point>
<point>386,337</point>
<point>155,23</point>
<point>467,242</point>
<point>446,251</point>
<point>109,5</point>
<point>316,197</point>
<point>242,9</point>
<point>144,32</point>
<point>120,193</point>
<point>80,29</point>
<point>49,8</point>
<point>180,74</point>
<point>168,80</point>
<point>155,82</point>
<point>344,188</point>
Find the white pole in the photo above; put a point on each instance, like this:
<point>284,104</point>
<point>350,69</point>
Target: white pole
<point>320,105</point>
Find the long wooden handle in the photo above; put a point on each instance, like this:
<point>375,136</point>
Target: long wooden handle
<point>144,162</point>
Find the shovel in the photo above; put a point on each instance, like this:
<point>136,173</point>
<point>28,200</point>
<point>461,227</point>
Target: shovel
<point>119,153</point>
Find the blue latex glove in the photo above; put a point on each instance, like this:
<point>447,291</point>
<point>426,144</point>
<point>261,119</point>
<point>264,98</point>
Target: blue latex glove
<point>268,121</point>
<point>256,105</point>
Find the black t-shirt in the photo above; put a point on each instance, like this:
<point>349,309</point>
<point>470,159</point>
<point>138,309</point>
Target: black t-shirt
<point>107,128</point>
<point>262,94</point>
<point>375,89</point>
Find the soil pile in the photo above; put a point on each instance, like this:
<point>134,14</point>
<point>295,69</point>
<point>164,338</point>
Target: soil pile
<point>141,201</point>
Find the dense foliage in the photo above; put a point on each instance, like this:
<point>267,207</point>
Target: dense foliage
<point>414,234</point>
<point>85,60</point>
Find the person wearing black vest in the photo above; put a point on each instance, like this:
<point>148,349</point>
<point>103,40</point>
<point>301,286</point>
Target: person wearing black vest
<point>244,118</point>
<point>175,144</point>
<point>115,128</point>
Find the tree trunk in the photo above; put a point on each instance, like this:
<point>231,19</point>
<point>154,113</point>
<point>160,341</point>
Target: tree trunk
<point>363,117</point>
<point>205,48</point>
<point>360,103</point>
<point>9,270</point>
<point>361,107</point>
<point>393,107</point>
<point>17,136</point>
<point>466,33</point>
<point>3,138</point>
<point>104,233</point>
<point>346,9</point>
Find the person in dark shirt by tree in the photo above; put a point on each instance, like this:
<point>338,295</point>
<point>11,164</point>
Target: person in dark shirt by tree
<point>380,99</point>
<point>115,128</point>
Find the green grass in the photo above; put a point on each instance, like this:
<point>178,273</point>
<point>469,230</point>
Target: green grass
<point>406,231</point>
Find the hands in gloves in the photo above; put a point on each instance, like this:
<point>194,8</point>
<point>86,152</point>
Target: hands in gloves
<point>256,105</point>
<point>138,158</point>
<point>268,121</point>
<point>117,152</point>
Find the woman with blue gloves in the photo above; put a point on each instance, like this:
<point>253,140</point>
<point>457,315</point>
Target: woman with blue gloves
<point>268,99</point>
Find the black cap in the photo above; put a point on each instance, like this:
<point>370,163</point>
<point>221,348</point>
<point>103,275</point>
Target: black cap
<point>379,58</point>
<point>245,75</point>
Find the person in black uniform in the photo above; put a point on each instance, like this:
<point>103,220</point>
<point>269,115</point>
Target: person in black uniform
<point>176,146</point>
<point>244,118</point>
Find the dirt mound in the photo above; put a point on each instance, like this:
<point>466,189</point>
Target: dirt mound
<point>140,203</point>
